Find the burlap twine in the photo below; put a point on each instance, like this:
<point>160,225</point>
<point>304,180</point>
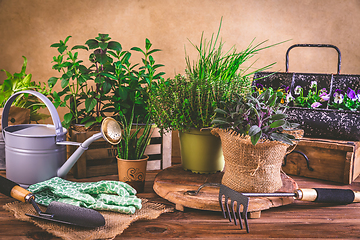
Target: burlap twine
<point>250,168</point>
<point>116,223</point>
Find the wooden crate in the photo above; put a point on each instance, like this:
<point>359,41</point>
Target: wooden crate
<point>331,160</point>
<point>100,158</point>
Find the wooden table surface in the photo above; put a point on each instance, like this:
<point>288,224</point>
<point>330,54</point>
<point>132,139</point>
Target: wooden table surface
<point>297,220</point>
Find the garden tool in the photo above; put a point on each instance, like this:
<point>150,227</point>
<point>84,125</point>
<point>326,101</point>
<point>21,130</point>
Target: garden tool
<point>56,211</point>
<point>324,195</point>
<point>37,152</point>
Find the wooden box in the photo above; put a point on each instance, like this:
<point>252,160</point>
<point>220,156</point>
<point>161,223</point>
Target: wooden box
<point>337,161</point>
<point>100,158</point>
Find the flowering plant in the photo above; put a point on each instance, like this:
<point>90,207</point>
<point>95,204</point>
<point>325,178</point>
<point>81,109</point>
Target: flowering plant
<point>349,100</point>
<point>314,98</point>
<point>346,101</point>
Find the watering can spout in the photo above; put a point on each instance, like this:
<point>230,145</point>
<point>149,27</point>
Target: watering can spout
<point>110,131</point>
<point>65,168</point>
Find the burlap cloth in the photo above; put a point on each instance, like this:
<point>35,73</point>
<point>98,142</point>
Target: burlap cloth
<point>250,168</point>
<point>116,223</point>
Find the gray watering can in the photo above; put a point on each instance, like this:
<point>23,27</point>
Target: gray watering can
<point>37,152</point>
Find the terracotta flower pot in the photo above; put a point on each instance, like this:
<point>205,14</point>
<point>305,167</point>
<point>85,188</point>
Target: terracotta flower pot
<point>133,172</point>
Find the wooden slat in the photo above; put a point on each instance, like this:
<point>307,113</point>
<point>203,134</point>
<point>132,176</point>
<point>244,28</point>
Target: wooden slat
<point>331,160</point>
<point>102,153</point>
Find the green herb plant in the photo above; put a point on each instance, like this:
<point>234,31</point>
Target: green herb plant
<point>73,82</point>
<point>134,140</point>
<point>189,101</point>
<point>134,81</point>
<point>260,116</point>
<point>21,81</point>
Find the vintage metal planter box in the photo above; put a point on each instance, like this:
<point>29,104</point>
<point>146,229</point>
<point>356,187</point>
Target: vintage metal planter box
<point>318,123</point>
<point>100,158</point>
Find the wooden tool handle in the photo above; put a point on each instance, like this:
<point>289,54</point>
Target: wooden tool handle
<point>12,189</point>
<point>341,196</point>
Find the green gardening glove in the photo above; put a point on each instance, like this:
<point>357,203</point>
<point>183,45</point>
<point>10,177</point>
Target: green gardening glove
<point>103,195</point>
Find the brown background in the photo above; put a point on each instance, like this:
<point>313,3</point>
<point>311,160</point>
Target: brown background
<point>28,28</point>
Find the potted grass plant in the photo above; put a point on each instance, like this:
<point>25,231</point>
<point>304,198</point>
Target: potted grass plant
<point>255,136</point>
<point>187,103</point>
<point>131,157</point>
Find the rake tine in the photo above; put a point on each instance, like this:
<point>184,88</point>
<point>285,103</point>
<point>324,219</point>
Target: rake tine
<point>239,214</point>
<point>240,200</point>
<point>233,211</point>
<point>244,213</point>
<point>222,205</point>
<point>227,207</point>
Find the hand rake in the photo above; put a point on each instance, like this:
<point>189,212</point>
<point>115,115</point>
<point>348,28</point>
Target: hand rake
<point>338,196</point>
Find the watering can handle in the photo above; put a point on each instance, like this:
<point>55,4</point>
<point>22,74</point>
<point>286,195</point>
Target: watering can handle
<point>54,114</point>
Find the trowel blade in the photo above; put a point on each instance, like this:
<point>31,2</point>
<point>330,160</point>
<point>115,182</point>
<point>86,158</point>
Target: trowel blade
<point>73,215</point>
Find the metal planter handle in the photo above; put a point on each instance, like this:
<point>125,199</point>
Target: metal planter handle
<point>314,45</point>
<point>54,114</point>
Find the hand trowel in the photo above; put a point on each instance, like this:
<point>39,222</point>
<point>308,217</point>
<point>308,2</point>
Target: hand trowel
<point>56,211</point>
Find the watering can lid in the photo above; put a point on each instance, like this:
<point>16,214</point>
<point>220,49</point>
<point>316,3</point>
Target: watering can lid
<point>32,130</point>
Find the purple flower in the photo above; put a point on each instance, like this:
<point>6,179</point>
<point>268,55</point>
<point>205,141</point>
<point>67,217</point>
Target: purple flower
<point>324,97</point>
<point>338,97</point>
<point>259,85</point>
<point>288,87</point>
<point>358,95</point>
<point>297,90</point>
<point>313,84</point>
<point>289,98</point>
<point>351,94</point>
<point>316,104</point>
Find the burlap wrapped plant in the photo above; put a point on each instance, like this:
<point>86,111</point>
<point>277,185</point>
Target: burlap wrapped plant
<point>255,137</point>
<point>250,168</point>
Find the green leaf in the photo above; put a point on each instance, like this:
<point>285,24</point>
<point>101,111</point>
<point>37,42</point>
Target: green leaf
<point>90,104</point>
<point>219,122</point>
<point>92,43</point>
<point>123,93</point>
<point>281,138</point>
<point>277,123</point>
<point>137,49</point>
<point>56,45</point>
<point>52,81</point>
<point>255,138</point>
<point>108,75</point>
<point>106,87</point>
<point>153,51</point>
<point>220,111</point>
<point>278,116</point>
<point>147,44</point>
<point>64,82</point>
<point>114,46</point>
<point>68,117</point>
<point>79,47</point>
<point>101,58</point>
<point>254,130</point>
<point>272,100</point>
<point>62,49</point>
<point>88,124</point>
<point>103,45</point>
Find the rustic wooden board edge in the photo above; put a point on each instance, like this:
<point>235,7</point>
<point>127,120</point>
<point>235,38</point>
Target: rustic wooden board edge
<point>207,199</point>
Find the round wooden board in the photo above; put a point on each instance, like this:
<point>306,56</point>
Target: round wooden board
<point>172,182</point>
